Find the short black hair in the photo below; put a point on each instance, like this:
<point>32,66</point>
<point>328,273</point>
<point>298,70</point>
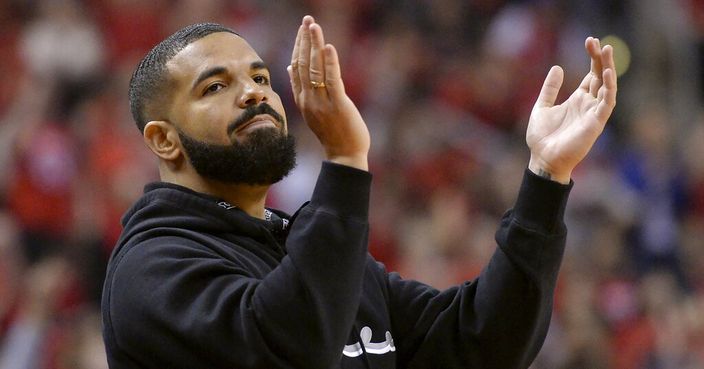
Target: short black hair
<point>150,78</point>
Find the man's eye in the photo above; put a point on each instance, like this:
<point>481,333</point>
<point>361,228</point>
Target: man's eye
<point>262,80</point>
<point>215,87</point>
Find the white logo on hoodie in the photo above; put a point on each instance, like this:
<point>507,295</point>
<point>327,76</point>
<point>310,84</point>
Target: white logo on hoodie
<point>377,348</point>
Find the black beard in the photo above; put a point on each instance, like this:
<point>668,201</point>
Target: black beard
<point>264,158</point>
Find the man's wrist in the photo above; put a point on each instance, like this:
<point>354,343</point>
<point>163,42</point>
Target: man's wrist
<point>544,171</point>
<point>354,161</point>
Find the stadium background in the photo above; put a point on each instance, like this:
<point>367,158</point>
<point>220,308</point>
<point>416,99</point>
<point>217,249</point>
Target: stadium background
<point>446,88</point>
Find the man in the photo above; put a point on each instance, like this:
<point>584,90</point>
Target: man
<point>204,276</point>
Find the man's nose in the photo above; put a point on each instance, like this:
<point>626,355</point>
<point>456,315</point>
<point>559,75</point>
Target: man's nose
<point>252,94</point>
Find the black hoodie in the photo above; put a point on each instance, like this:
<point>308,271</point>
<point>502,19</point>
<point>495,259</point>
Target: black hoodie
<point>197,283</point>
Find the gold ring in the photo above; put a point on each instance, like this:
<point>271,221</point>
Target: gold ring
<point>315,84</point>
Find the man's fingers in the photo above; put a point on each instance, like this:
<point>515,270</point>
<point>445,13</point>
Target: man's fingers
<point>293,68</point>
<point>593,47</point>
<point>317,57</point>
<point>608,92</point>
<point>333,76</point>
<point>295,84</point>
<point>607,58</point>
<point>296,46</point>
<point>551,87</point>
<point>304,53</point>
<point>594,50</point>
<point>314,62</point>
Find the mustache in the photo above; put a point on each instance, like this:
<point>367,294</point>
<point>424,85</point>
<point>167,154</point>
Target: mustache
<point>251,112</point>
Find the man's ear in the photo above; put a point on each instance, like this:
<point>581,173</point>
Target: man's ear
<point>162,139</point>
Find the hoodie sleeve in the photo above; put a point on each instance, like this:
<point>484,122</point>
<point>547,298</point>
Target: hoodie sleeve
<point>211,313</point>
<point>500,319</point>
<point>313,297</point>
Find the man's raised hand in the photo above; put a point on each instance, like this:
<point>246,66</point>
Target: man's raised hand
<point>320,95</point>
<point>560,136</point>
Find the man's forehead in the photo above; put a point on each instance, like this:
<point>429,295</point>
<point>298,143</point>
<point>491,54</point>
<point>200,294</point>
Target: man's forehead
<point>216,48</point>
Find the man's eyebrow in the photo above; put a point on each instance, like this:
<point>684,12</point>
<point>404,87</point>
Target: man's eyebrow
<point>214,71</point>
<point>258,65</point>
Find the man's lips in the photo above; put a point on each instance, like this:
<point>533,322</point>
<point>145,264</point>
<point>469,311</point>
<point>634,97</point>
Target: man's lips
<point>257,121</point>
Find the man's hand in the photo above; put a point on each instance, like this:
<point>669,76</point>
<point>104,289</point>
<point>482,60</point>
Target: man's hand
<point>560,136</point>
<point>320,95</point>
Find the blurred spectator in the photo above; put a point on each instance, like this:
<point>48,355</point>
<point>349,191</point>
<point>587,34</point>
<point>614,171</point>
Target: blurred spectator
<point>62,44</point>
<point>59,43</point>
<point>12,269</point>
<point>653,177</point>
<point>130,27</point>
<point>45,299</point>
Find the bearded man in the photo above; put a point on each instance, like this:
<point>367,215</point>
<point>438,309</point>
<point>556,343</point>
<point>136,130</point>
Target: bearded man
<point>204,276</point>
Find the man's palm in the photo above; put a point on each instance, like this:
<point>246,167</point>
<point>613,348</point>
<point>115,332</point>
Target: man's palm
<point>560,136</point>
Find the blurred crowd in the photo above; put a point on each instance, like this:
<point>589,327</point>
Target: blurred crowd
<point>446,88</point>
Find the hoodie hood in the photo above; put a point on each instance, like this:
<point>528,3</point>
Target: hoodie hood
<point>174,207</point>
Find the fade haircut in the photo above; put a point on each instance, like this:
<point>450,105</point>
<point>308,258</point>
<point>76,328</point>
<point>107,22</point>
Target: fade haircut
<point>150,78</point>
